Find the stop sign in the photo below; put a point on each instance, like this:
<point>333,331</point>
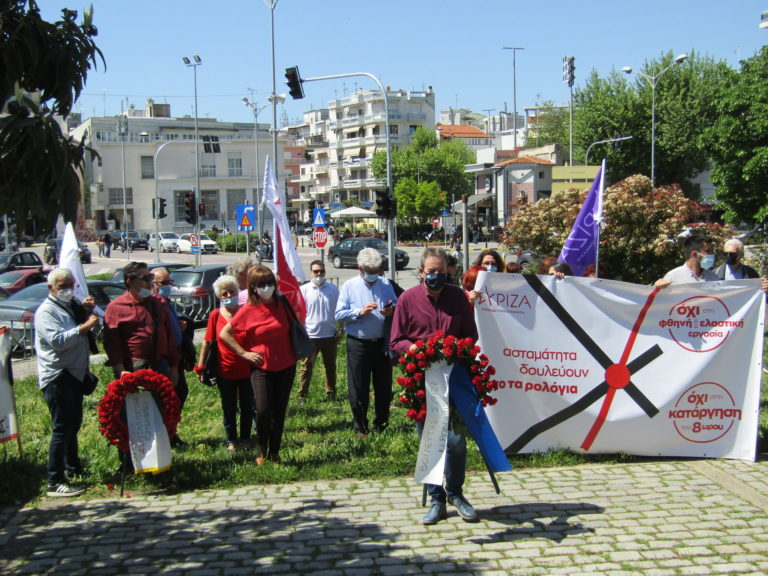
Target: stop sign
<point>320,237</point>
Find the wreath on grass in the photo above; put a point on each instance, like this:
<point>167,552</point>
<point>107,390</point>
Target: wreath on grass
<point>452,350</point>
<point>111,406</point>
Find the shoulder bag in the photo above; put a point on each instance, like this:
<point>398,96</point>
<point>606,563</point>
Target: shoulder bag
<point>302,344</point>
<point>211,360</point>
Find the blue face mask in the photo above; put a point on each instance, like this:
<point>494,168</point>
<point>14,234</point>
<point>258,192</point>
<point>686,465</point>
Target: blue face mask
<point>491,268</point>
<point>145,292</point>
<point>435,281</point>
<point>230,302</point>
<point>370,278</point>
<point>165,291</point>
<point>707,261</point>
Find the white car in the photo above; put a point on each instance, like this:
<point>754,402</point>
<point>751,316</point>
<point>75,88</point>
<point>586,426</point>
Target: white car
<point>167,241</point>
<point>207,246</point>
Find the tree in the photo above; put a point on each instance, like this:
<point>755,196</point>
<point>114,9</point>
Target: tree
<point>686,95</point>
<point>639,242</point>
<point>419,200</point>
<point>424,160</point>
<point>44,69</point>
<point>737,142</point>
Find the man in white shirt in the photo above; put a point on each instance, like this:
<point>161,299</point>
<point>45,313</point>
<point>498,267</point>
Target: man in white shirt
<point>321,298</point>
<point>698,265</point>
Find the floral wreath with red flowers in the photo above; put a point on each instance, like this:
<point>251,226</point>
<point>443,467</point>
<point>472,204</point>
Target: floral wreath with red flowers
<point>112,424</point>
<point>453,350</point>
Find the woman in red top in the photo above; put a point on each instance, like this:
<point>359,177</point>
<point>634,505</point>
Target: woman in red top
<point>260,334</point>
<point>234,376</point>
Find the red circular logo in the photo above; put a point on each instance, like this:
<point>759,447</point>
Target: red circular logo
<point>699,323</point>
<point>705,412</point>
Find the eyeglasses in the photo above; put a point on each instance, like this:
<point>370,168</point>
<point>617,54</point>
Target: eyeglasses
<point>318,272</point>
<point>146,278</point>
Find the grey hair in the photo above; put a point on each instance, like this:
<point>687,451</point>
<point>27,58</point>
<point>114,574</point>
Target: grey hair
<point>735,242</point>
<point>241,265</point>
<point>59,274</point>
<point>369,258</point>
<point>434,253</point>
<point>225,281</point>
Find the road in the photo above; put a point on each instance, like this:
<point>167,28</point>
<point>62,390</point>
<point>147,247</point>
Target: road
<point>407,277</point>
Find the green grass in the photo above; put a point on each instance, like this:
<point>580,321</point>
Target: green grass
<point>319,444</point>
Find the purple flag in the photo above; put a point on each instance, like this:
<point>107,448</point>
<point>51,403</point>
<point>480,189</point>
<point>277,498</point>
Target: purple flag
<point>581,246</point>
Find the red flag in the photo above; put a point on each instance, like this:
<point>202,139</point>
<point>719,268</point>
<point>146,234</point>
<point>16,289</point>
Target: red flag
<point>287,266</point>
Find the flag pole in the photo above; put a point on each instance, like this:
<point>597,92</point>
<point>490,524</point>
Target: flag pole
<point>599,221</point>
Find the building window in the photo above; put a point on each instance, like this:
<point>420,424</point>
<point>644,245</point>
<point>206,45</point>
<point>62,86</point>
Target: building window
<point>235,198</point>
<point>179,211</point>
<point>211,200</point>
<point>235,164</point>
<point>116,196</point>
<point>393,129</point>
<point>147,167</point>
<point>208,169</point>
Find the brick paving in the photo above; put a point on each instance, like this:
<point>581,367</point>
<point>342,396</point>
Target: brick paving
<point>651,518</point>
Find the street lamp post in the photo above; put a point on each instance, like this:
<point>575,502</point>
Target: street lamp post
<point>197,62</point>
<point>653,80</point>
<point>617,139</point>
<point>514,93</point>
<point>122,128</point>
<point>256,109</point>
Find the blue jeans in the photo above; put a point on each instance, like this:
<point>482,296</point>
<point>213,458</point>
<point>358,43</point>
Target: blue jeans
<point>233,392</point>
<point>65,403</point>
<point>455,467</point>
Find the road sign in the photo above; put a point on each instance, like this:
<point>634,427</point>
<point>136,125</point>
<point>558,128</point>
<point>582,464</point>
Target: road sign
<point>320,236</point>
<point>245,216</point>
<point>194,240</point>
<point>318,217</point>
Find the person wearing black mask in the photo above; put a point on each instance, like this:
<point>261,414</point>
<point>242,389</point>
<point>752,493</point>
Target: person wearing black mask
<point>733,269</point>
<point>421,311</point>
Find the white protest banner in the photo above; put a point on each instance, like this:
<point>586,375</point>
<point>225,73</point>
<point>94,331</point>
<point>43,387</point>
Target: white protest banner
<point>147,435</point>
<point>9,426</point>
<point>430,462</point>
<point>601,366</point>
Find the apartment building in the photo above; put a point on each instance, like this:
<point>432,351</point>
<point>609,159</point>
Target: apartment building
<point>144,153</point>
<point>340,142</point>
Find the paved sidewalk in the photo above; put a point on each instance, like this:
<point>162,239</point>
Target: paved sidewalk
<point>650,519</point>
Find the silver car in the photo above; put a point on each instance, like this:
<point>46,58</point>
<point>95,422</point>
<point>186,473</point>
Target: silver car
<point>167,241</point>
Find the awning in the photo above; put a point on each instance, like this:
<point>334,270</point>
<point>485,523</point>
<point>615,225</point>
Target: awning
<point>353,152</point>
<point>474,199</point>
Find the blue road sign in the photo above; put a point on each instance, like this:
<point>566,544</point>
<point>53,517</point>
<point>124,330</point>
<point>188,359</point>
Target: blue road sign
<point>318,217</point>
<point>245,216</point>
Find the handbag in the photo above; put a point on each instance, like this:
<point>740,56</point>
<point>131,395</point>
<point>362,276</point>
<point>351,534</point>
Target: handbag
<point>303,347</point>
<point>88,385</point>
<point>211,363</point>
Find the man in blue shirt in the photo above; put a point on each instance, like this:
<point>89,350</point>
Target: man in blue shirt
<point>364,303</point>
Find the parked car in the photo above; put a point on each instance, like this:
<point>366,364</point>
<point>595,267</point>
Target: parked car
<point>52,251</point>
<point>207,246</point>
<point>18,311</point>
<point>345,252</point>
<point>135,241</point>
<point>167,241</point>
<point>20,261</point>
<point>193,290</point>
<point>119,277</point>
<point>15,280</point>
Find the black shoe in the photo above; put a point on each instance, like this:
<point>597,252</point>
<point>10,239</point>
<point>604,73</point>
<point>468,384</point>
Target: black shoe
<point>436,513</point>
<point>63,490</point>
<point>178,443</point>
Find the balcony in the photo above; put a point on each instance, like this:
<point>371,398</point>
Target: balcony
<point>417,117</point>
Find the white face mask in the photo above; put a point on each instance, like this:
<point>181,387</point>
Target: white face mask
<point>65,295</point>
<point>265,293</point>
<point>318,280</point>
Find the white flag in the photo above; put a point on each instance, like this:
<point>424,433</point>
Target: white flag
<point>70,258</point>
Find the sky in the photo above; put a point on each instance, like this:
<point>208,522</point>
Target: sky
<point>455,47</point>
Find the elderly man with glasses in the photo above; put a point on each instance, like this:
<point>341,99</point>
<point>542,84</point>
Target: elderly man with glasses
<point>321,298</point>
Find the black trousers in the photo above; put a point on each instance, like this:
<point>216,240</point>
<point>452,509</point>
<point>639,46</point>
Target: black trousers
<point>365,361</point>
<point>271,392</point>
<point>65,403</point>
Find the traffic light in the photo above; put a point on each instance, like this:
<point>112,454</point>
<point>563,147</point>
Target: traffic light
<point>201,210</point>
<point>190,210</point>
<point>568,70</point>
<point>294,81</point>
<point>312,205</point>
<point>162,213</point>
<point>386,205</point>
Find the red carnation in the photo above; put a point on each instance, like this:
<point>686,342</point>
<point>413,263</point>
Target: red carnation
<point>419,376</point>
<point>412,414</point>
<point>411,367</point>
<point>421,394</point>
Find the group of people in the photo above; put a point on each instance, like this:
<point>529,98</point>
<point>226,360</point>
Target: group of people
<point>257,363</point>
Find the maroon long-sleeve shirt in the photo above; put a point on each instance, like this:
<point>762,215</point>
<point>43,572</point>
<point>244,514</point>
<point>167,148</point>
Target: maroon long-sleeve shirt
<point>419,316</point>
